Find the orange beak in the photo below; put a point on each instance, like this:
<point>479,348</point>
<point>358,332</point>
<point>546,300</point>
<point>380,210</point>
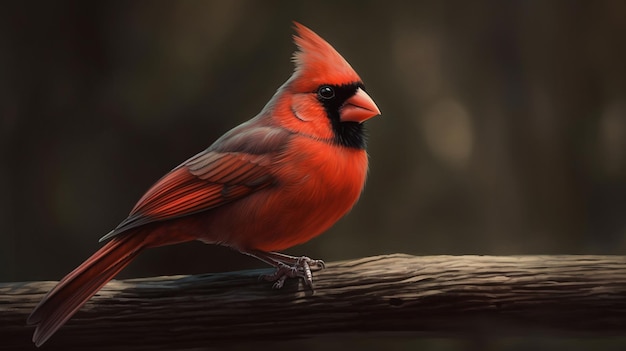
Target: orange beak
<point>359,108</point>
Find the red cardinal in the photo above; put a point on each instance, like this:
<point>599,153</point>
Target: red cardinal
<point>273,182</point>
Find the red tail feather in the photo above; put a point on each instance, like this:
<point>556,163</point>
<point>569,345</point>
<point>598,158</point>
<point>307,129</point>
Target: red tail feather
<point>81,284</point>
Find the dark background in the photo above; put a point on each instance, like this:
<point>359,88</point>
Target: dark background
<point>503,128</point>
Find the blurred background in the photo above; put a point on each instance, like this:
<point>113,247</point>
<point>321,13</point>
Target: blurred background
<point>503,128</point>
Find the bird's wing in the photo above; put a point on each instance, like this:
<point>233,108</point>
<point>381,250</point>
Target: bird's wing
<point>229,170</point>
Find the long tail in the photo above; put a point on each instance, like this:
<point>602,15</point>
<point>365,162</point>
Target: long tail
<point>82,283</point>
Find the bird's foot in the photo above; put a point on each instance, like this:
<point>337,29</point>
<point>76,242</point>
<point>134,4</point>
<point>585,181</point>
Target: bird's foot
<point>302,268</point>
<point>289,267</point>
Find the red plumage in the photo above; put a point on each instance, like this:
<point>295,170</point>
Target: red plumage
<point>273,182</point>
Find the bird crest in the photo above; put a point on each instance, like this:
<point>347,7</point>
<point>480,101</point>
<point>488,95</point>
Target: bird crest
<point>317,62</point>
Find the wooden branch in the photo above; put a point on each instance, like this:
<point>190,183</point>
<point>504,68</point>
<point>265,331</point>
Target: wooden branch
<point>435,295</point>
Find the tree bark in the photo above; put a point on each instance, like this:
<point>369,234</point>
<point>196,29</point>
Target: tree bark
<point>434,295</point>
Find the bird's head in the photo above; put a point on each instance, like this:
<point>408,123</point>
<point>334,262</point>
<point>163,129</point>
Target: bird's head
<point>324,98</point>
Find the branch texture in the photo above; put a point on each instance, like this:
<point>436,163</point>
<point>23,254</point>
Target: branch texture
<point>433,295</point>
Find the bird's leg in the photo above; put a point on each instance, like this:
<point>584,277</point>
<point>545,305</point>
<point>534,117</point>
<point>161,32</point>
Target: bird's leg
<point>288,267</point>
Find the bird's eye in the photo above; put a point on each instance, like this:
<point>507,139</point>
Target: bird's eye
<point>326,92</point>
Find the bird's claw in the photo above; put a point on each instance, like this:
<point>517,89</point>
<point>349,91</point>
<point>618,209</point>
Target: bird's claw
<point>301,268</point>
